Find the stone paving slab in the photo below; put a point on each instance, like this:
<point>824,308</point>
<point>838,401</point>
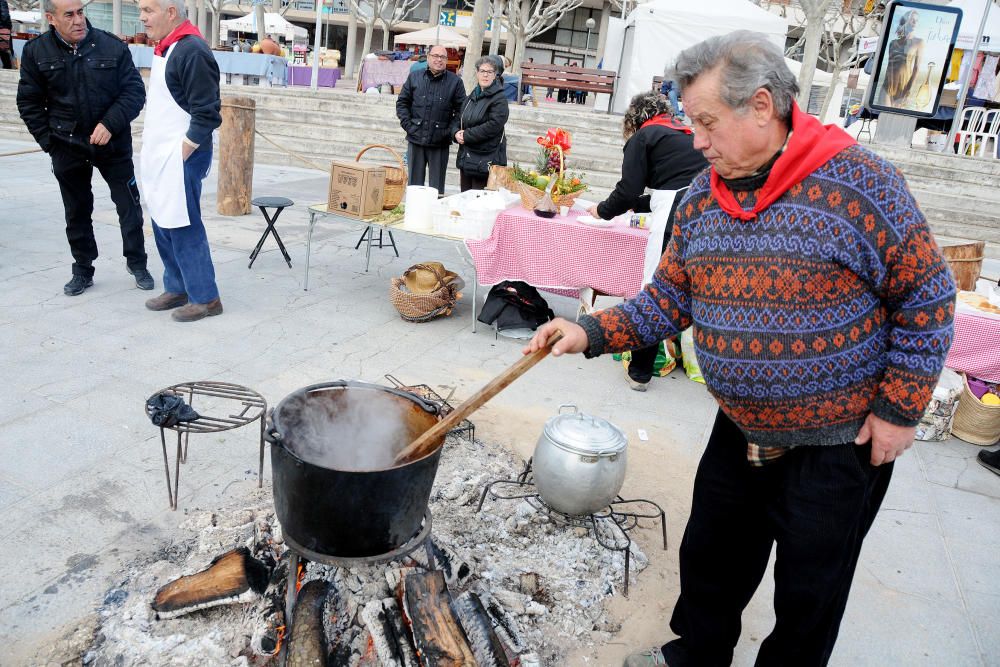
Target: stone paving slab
<point>81,470</point>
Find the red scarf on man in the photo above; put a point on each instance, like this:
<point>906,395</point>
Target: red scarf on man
<point>666,120</point>
<point>183,30</point>
<point>812,145</point>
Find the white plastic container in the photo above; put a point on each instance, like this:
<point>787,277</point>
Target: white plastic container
<point>471,214</point>
<point>419,207</point>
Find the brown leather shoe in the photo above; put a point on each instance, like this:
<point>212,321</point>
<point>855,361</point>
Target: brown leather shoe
<point>166,301</point>
<point>197,311</point>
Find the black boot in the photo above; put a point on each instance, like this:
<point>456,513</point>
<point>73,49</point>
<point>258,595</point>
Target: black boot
<point>76,286</point>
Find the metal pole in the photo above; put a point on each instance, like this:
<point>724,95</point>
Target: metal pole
<point>964,89</point>
<point>314,83</point>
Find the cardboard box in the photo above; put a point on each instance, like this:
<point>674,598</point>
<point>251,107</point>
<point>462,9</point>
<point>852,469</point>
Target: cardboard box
<point>356,190</point>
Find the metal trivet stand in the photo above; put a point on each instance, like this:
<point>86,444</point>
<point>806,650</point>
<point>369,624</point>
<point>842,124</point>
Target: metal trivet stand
<point>466,427</point>
<point>249,406</point>
<point>618,518</point>
<point>298,552</point>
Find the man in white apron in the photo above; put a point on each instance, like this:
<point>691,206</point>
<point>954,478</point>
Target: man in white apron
<point>659,156</point>
<point>182,111</point>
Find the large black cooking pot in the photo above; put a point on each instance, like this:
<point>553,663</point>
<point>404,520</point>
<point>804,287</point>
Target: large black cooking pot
<point>337,490</point>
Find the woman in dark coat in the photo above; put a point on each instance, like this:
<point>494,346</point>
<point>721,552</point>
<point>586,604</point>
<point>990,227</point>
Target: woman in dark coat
<point>659,155</point>
<point>480,136</point>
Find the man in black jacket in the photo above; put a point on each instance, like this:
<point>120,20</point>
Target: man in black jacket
<point>6,46</point>
<point>428,108</point>
<point>78,94</point>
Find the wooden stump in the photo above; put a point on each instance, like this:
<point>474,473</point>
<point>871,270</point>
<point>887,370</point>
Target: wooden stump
<point>966,262</point>
<point>236,139</point>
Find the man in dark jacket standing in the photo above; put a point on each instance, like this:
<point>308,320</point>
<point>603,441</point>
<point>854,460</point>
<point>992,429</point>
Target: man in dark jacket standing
<point>6,46</point>
<point>428,108</point>
<point>78,93</point>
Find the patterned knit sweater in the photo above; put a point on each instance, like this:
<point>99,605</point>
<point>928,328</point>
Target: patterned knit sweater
<point>832,303</point>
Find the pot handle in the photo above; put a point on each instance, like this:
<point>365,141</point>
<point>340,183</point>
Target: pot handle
<point>270,433</point>
<point>431,408</point>
<point>569,405</point>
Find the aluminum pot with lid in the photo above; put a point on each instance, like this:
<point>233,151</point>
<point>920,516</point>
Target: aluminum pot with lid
<point>579,462</point>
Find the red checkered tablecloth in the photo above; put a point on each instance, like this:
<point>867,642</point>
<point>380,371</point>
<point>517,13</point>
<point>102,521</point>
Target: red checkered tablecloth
<point>561,253</point>
<point>976,347</point>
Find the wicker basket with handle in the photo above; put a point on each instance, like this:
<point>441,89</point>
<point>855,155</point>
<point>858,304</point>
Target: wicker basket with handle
<point>975,421</point>
<point>530,195</point>
<point>395,177</point>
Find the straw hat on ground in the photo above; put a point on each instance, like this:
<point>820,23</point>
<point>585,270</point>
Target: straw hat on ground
<point>428,277</point>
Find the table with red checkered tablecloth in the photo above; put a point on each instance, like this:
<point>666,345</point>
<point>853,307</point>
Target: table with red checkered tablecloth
<point>560,254</point>
<point>975,349</point>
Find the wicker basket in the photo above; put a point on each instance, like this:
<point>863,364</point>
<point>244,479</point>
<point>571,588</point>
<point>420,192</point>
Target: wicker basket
<point>975,422</point>
<point>530,196</point>
<point>421,307</point>
<point>395,177</point>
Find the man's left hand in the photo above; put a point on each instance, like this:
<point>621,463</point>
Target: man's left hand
<point>100,136</point>
<point>186,150</point>
<point>888,440</point>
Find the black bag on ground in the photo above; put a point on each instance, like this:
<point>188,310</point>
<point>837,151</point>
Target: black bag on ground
<point>513,304</point>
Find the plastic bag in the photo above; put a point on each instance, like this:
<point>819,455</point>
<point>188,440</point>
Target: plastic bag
<point>935,425</point>
<point>666,358</point>
<point>691,366</point>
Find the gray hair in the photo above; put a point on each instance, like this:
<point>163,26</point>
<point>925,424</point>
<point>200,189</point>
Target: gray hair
<point>176,4</point>
<point>749,62</point>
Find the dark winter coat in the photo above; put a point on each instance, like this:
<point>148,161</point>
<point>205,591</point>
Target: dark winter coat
<point>428,107</point>
<point>484,115</point>
<point>658,158</point>
<point>64,92</point>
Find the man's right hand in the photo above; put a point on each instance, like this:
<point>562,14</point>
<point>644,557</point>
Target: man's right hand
<point>574,338</point>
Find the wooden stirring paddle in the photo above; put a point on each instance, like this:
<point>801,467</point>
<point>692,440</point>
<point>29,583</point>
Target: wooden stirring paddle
<point>421,446</point>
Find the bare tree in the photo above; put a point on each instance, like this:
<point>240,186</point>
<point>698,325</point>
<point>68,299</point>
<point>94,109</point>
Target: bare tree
<point>815,25</point>
<point>393,12</point>
<point>528,18</point>
<point>368,13</point>
<point>475,48</point>
<point>840,39</point>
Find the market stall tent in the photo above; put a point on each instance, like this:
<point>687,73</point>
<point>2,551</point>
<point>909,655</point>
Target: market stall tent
<point>655,32</point>
<point>972,16</point>
<point>437,36</point>
<point>274,24</point>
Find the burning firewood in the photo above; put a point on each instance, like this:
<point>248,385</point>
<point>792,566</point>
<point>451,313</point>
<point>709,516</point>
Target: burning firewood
<point>437,634</point>
<point>478,628</point>
<point>307,641</point>
<point>233,577</point>
<point>389,636</point>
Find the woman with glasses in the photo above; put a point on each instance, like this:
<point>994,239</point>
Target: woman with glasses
<point>481,139</point>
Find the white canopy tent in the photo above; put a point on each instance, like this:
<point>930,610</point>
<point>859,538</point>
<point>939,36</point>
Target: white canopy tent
<point>25,18</point>
<point>655,32</point>
<point>972,16</point>
<point>437,36</point>
<point>274,24</point>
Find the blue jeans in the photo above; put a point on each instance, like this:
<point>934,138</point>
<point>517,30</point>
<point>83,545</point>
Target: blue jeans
<point>672,96</point>
<point>187,259</point>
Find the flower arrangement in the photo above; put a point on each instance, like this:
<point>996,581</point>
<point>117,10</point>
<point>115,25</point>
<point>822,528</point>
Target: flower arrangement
<point>551,163</point>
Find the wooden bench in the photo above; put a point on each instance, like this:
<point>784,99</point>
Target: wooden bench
<point>566,77</point>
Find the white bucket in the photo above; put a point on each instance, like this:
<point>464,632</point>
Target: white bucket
<point>419,206</point>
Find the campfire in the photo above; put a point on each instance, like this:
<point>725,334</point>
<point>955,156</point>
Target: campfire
<point>509,586</point>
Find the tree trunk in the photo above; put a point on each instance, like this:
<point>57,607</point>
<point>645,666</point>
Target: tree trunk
<point>519,47</point>
<point>479,13</point>
<point>366,46</point>
<point>815,10</point>
<point>352,41</point>
<point>236,139</point>
<point>498,7</point>
<point>203,21</point>
<point>834,86</point>
<point>385,36</point>
<point>435,12</point>
<point>116,17</point>
<point>216,28</point>
<point>508,50</point>
<point>258,11</point>
<point>602,37</point>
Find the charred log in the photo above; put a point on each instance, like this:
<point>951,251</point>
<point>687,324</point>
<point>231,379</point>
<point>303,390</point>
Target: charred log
<point>478,626</point>
<point>437,634</point>
<point>307,642</point>
<point>232,577</point>
<point>389,636</point>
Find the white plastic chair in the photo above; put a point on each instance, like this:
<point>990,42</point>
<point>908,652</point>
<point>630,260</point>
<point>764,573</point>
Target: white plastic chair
<point>989,131</point>
<point>971,124</point>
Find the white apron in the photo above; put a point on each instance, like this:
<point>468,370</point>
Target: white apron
<point>161,161</point>
<point>660,202</point>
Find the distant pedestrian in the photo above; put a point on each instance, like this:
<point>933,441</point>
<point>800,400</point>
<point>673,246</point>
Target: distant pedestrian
<point>481,137</point>
<point>184,110</point>
<point>6,47</point>
<point>428,107</point>
<point>79,91</point>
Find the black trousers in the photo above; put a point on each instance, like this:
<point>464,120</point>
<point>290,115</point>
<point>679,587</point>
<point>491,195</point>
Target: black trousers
<point>424,159</point>
<point>74,171</point>
<point>816,504</point>
<point>6,59</point>
<point>468,181</point>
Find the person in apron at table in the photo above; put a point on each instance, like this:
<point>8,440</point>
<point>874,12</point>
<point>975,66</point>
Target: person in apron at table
<point>659,155</point>
<point>182,110</point>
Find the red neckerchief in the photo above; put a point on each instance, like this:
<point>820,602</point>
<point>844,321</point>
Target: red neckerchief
<point>183,30</point>
<point>811,145</point>
<point>665,120</point>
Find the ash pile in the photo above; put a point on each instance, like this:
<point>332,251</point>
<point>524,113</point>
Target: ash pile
<point>508,586</point>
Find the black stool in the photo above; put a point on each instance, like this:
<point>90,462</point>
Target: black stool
<point>280,204</point>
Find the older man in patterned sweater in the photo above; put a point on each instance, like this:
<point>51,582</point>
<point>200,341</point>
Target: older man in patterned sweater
<point>822,313</point>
